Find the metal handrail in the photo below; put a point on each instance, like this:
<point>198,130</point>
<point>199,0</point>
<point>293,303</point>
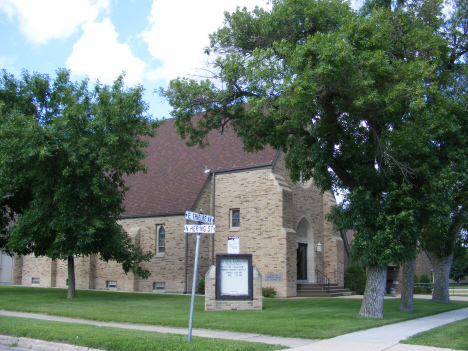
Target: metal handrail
<point>339,278</point>
<point>323,280</point>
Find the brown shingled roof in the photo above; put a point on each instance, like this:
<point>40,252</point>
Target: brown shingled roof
<point>176,175</point>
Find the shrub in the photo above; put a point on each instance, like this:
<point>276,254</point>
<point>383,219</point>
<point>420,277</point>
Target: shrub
<point>417,288</point>
<point>420,288</point>
<point>425,279</point>
<point>268,292</point>
<point>355,279</point>
<point>201,286</point>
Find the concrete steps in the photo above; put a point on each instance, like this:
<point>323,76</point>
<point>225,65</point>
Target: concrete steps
<point>315,290</point>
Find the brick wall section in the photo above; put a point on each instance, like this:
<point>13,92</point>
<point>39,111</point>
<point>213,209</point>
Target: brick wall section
<point>310,204</point>
<point>211,304</point>
<point>92,273</point>
<point>17,270</point>
<point>422,265</point>
<point>204,202</point>
<point>168,268</point>
<point>36,267</point>
<point>261,218</point>
<point>333,246</point>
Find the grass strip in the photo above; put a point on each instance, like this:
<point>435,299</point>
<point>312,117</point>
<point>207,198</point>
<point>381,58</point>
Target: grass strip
<point>311,318</point>
<point>453,336</point>
<point>119,339</point>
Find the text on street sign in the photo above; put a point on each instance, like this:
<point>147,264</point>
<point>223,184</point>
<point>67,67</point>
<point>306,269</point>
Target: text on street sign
<point>199,228</point>
<point>199,217</point>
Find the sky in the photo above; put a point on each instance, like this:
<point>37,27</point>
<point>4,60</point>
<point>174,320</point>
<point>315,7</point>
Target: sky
<point>153,41</point>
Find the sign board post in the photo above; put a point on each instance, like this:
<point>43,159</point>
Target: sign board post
<point>198,229</point>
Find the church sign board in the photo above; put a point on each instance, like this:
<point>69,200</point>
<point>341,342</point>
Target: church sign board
<point>234,277</point>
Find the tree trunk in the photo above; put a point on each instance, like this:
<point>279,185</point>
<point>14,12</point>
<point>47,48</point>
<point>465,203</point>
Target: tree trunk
<point>441,267</point>
<point>372,304</point>
<point>406,302</point>
<point>71,278</point>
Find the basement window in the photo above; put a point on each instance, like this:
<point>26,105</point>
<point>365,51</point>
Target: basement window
<point>159,287</point>
<point>35,281</point>
<point>111,284</point>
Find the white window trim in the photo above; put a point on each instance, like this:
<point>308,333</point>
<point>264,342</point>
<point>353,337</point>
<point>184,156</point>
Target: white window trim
<point>157,253</point>
<point>231,228</point>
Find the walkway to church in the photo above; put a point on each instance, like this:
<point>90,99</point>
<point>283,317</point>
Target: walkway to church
<point>377,339</point>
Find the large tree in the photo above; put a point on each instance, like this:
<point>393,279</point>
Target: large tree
<point>65,149</point>
<point>335,90</point>
<point>446,173</point>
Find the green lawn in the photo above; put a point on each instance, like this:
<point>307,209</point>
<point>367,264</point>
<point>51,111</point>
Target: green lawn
<point>119,339</point>
<point>452,336</point>
<point>460,287</point>
<point>318,318</point>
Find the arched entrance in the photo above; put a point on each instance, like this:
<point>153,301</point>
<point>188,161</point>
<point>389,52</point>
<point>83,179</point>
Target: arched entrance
<point>305,252</point>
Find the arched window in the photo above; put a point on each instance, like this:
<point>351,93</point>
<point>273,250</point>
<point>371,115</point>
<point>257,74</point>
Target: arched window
<point>161,240</point>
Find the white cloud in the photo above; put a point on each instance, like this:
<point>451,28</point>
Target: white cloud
<point>8,63</point>
<point>179,32</point>
<point>98,55</point>
<point>8,8</point>
<point>41,21</point>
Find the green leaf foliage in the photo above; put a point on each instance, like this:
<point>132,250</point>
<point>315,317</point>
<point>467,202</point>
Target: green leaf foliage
<point>268,292</point>
<point>355,279</point>
<point>358,101</point>
<point>422,285</point>
<point>65,150</point>
<point>425,279</point>
<point>201,285</point>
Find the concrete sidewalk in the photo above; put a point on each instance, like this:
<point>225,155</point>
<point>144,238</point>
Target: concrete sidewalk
<point>387,337</point>
<point>376,339</point>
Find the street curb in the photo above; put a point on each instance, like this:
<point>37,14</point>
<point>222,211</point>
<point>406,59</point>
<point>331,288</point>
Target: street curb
<point>41,345</point>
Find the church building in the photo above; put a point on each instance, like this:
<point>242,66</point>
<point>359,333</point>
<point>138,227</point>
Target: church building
<point>280,223</point>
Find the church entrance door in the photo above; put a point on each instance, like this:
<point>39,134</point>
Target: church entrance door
<point>301,261</point>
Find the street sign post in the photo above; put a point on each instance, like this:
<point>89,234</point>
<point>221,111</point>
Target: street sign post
<point>197,229</point>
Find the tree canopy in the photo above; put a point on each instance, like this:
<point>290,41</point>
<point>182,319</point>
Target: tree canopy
<point>65,149</point>
<point>371,101</point>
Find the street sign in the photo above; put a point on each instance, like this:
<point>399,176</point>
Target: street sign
<point>199,217</point>
<point>200,228</point>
